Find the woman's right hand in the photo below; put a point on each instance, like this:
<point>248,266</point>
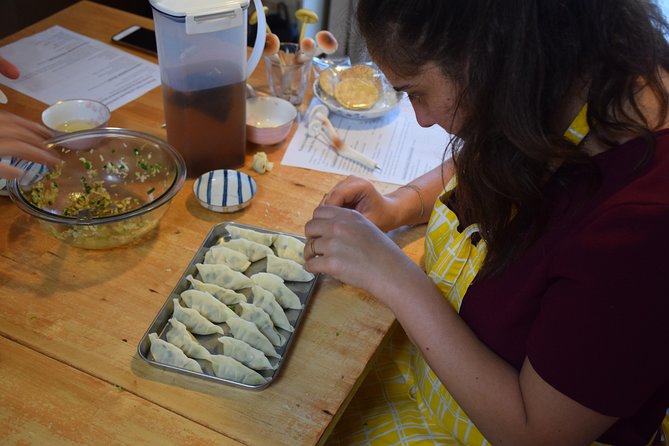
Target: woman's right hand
<point>24,139</point>
<point>361,195</point>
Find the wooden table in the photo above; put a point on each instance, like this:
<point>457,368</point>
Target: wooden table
<point>71,319</point>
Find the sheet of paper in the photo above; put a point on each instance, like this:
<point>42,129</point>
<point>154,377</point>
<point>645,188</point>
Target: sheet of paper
<point>59,64</point>
<point>403,149</point>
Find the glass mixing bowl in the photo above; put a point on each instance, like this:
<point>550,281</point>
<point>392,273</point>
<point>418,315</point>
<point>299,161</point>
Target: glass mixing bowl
<point>109,191</point>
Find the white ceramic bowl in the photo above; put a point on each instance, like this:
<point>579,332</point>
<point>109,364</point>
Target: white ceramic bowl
<point>75,115</point>
<point>268,119</point>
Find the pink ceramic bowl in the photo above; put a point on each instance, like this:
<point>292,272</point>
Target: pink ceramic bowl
<point>268,119</point>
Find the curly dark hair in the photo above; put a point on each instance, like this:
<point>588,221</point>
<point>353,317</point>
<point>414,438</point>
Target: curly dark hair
<point>515,63</point>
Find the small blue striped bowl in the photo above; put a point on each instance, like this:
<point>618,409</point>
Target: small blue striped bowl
<point>3,182</point>
<point>35,172</point>
<point>224,190</point>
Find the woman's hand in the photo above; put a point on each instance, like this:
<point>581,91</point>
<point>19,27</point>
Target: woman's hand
<point>346,245</point>
<point>19,137</point>
<point>408,205</point>
<point>24,139</point>
<point>360,194</point>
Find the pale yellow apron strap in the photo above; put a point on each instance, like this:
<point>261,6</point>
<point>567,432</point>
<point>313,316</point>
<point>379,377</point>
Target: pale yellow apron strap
<point>665,430</point>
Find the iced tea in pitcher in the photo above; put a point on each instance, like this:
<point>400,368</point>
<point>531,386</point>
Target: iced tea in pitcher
<point>202,55</point>
<point>208,127</point>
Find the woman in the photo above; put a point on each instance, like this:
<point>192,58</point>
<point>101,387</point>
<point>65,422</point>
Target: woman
<point>19,137</point>
<point>542,317</point>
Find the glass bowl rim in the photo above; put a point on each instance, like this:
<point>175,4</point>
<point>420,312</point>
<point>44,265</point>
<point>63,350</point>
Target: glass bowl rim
<point>179,180</point>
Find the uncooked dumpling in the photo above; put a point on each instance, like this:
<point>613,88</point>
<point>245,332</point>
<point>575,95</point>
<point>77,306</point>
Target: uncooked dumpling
<point>288,247</point>
<point>265,300</point>
<point>229,368</point>
<point>262,320</point>
<point>166,353</point>
<point>207,305</point>
<point>249,234</point>
<point>274,284</point>
<point>179,335</point>
<point>223,276</point>
<point>244,353</point>
<point>228,297</point>
<point>194,321</point>
<point>253,250</point>
<point>248,332</point>
<point>234,259</point>
<point>288,269</point>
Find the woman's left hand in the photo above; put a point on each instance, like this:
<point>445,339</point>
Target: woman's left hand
<point>346,245</point>
<point>23,139</point>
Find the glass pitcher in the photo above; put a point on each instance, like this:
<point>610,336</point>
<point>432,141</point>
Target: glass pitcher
<point>203,70</point>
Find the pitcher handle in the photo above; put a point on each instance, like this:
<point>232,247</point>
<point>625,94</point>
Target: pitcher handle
<point>259,44</point>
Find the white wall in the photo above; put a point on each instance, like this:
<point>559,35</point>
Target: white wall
<point>320,8</point>
<point>664,4</point>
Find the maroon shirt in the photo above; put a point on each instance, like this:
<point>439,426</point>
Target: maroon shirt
<point>588,303</point>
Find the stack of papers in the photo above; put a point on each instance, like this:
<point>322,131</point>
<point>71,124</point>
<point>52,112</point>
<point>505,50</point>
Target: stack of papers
<point>58,64</point>
<point>403,149</point>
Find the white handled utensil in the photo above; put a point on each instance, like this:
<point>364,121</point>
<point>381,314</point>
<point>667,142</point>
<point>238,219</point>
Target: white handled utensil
<point>319,124</point>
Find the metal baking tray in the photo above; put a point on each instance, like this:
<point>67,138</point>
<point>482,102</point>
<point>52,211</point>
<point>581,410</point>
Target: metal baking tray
<point>160,324</point>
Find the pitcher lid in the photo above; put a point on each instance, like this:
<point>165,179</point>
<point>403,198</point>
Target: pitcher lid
<point>182,8</point>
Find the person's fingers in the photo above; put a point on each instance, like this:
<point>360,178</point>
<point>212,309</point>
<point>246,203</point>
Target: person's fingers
<point>8,69</point>
<point>18,123</point>
<point>24,139</point>
<point>340,197</point>
<point>327,212</point>
<point>23,150</point>
<point>316,248</point>
<point>334,198</point>
<point>310,251</point>
<point>345,192</point>
<point>319,227</point>
<point>316,264</point>
<point>324,200</point>
<point>323,263</point>
<point>313,228</point>
<point>9,136</point>
<point>9,172</point>
<point>321,221</point>
<point>36,128</point>
<point>17,134</point>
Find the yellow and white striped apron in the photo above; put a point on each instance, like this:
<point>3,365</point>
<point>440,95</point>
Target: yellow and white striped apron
<point>402,402</point>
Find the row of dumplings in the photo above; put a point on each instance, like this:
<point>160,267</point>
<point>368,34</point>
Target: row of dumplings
<point>247,333</point>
